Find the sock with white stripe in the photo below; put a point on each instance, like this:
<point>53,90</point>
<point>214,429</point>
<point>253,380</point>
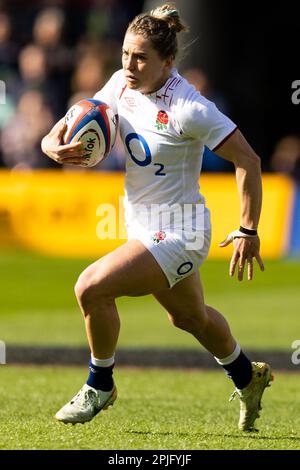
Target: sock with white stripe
<point>237,367</point>
<point>100,376</point>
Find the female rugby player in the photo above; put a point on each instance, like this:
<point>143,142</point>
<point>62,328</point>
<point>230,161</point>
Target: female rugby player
<point>164,125</point>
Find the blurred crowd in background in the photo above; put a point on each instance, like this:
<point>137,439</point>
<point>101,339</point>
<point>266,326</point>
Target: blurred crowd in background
<point>53,53</point>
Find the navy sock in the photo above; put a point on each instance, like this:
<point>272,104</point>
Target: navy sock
<point>100,378</point>
<point>240,371</point>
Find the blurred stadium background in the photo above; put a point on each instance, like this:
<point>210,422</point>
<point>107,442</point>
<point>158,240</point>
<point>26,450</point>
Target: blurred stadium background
<point>53,53</point>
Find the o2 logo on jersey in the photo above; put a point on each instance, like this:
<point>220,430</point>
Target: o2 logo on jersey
<point>147,153</point>
<point>148,157</point>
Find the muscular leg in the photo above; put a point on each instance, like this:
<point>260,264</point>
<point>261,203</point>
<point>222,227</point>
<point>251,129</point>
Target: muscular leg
<point>187,310</point>
<point>129,270</point>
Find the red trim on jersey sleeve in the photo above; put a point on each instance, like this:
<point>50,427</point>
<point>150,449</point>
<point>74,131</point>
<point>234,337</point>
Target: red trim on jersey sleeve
<point>224,140</point>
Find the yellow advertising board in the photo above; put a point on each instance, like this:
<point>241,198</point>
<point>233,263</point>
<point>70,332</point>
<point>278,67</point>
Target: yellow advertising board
<point>65,213</point>
<point>56,212</point>
<point>220,191</point>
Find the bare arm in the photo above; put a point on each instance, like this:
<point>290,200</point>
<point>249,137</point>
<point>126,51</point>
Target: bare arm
<point>248,175</point>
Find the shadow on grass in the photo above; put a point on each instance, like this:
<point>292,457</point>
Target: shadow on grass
<point>159,433</point>
<point>255,436</point>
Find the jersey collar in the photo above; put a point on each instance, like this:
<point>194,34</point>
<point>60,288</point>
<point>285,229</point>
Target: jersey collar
<point>162,90</point>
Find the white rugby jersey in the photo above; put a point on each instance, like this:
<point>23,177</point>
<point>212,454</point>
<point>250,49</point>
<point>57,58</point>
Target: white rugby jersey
<point>164,134</point>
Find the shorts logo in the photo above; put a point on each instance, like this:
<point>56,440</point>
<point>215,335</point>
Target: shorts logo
<point>185,268</point>
<point>162,120</point>
<point>158,237</point>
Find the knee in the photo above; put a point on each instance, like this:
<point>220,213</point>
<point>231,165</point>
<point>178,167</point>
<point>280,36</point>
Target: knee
<point>80,287</point>
<point>89,290</point>
<point>192,322</point>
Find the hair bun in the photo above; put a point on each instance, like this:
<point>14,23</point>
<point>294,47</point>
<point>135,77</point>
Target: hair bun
<point>169,13</point>
<point>160,13</point>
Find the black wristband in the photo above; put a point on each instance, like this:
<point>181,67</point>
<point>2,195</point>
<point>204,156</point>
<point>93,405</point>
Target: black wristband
<point>248,231</point>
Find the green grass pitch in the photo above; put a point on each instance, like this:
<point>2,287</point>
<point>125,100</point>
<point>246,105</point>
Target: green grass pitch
<point>38,305</point>
<point>156,409</point>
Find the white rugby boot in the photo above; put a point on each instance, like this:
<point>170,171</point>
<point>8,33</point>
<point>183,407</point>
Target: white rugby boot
<point>250,396</point>
<point>85,405</point>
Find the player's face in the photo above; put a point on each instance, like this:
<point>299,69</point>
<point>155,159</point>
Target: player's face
<point>144,69</point>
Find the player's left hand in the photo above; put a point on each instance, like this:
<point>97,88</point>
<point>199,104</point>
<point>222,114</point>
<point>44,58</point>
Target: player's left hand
<point>244,250</point>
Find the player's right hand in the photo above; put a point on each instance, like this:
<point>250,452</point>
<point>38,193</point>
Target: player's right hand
<point>52,145</point>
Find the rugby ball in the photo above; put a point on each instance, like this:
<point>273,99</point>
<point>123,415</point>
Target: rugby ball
<point>94,124</point>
